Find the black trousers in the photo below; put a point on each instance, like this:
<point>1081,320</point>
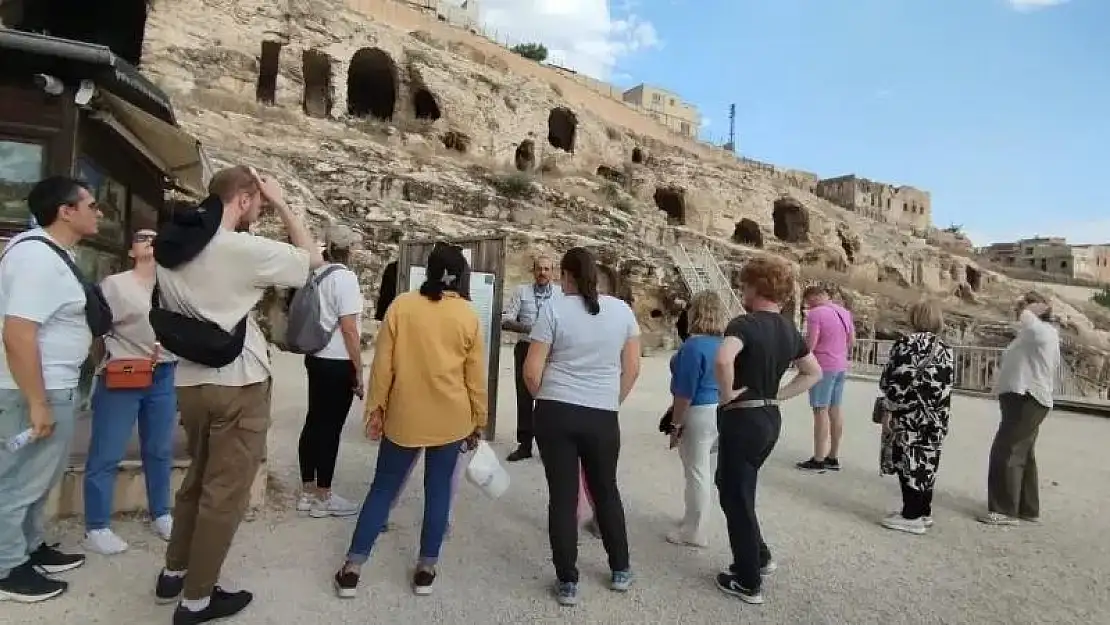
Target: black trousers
<point>331,389</point>
<point>568,434</point>
<point>915,503</point>
<point>525,403</point>
<point>746,436</point>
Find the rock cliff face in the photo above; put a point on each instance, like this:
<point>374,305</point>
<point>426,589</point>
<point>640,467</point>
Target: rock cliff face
<point>402,127</point>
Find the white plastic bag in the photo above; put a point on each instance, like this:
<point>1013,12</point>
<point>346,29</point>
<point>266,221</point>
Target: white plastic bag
<point>485,471</point>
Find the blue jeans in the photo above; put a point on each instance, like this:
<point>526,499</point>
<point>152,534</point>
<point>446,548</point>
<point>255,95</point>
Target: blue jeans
<point>394,464</point>
<point>28,475</point>
<point>114,415</point>
<point>829,391</point>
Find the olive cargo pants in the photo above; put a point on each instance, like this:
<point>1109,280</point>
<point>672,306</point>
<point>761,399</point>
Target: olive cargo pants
<point>225,429</point>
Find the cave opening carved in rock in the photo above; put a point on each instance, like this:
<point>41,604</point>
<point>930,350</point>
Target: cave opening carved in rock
<point>610,174</point>
<point>372,83</point>
<point>457,141</point>
<point>266,89</point>
<point>747,232</point>
<point>791,221</point>
<point>637,156</point>
<point>424,105</point>
<point>562,128</point>
<point>974,278</point>
<point>672,200</point>
<point>318,93</point>
<point>847,243</point>
<point>525,157</point>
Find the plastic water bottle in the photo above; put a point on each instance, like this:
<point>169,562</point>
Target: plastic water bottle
<point>19,441</point>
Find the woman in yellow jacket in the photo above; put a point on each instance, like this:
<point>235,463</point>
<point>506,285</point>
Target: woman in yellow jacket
<point>427,394</point>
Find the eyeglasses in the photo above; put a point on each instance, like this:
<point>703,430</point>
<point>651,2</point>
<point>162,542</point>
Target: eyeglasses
<point>144,238</point>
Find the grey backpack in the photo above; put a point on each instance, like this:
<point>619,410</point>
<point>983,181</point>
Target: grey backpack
<point>304,334</point>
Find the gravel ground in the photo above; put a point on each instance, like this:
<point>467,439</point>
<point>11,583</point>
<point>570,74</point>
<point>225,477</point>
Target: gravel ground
<point>836,564</point>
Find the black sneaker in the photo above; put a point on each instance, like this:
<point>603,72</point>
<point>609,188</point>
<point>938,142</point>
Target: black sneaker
<point>832,464</point>
<point>25,584</point>
<point>49,560</point>
<point>168,588</point>
<point>346,583</point>
<point>812,465</point>
<point>730,585</point>
<point>222,604</point>
<point>521,453</point>
<point>422,581</point>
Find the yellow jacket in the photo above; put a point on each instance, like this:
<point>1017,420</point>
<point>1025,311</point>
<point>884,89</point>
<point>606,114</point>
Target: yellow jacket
<point>429,371</point>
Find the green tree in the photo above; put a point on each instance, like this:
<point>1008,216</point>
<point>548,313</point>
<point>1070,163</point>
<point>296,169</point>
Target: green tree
<point>535,51</point>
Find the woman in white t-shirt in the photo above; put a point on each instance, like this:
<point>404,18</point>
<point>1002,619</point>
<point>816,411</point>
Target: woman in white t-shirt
<point>583,359</point>
<point>334,380</point>
<point>116,408</point>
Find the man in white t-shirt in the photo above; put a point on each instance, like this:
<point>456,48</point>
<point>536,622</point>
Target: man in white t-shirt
<point>225,411</point>
<point>45,340</point>
<point>334,379</point>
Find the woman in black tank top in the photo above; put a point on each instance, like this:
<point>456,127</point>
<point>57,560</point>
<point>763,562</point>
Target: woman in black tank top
<point>757,350</point>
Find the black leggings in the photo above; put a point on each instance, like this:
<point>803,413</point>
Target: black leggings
<point>566,435</point>
<point>331,389</point>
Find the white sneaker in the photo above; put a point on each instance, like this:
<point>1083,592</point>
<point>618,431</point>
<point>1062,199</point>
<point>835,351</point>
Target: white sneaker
<point>334,505</point>
<point>901,524</point>
<point>995,518</point>
<point>306,501</point>
<point>679,537</point>
<point>163,526</point>
<point>105,542</point>
<point>928,520</point>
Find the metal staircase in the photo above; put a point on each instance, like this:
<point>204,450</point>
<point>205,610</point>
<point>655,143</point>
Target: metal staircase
<point>701,272</point>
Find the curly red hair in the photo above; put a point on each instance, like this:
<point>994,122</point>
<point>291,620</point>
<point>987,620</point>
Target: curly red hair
<point>770,277</point>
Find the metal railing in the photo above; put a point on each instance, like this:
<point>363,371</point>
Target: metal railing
<point>701,272</point>
<point>976,369</point>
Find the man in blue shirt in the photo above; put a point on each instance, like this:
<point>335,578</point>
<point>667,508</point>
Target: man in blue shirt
<point>519,316</point>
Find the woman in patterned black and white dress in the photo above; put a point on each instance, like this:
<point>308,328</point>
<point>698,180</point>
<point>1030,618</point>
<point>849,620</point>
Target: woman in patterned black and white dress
<point>917,388</point>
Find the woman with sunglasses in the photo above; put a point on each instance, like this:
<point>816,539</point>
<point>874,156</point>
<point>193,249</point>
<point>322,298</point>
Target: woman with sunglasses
<point>124,394</point>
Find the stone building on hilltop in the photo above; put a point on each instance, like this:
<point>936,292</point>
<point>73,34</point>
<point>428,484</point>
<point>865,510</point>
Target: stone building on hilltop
<point>666,108</point>
<point>1055,256</point>
<point>879,201</point>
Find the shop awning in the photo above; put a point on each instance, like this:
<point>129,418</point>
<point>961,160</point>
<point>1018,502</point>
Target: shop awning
<point>178,154</point>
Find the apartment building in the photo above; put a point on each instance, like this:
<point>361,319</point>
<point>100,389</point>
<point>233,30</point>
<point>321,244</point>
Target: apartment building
<point>666,108</point>
<point>879,201</point>
<point>1055,256</point>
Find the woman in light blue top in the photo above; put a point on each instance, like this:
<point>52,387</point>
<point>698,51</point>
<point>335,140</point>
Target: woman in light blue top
<point>694,412</point>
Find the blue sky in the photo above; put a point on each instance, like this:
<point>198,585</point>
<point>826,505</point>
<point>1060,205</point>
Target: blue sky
<point>999,108</point>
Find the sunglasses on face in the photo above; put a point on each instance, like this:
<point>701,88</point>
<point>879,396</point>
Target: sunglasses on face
<point>145,238</point>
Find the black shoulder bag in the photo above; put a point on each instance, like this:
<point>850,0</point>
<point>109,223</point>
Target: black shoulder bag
<point>198,340</point>
<point>98,314</point>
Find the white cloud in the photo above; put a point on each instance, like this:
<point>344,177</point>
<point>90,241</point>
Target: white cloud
<point>1026,6</point>
<point>584,35</point>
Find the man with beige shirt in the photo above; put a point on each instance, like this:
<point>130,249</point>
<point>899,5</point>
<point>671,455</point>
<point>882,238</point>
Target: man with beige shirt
<point>225,410</point>
<point>1025,385</point>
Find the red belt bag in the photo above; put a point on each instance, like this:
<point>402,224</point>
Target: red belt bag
<point>129,374</point>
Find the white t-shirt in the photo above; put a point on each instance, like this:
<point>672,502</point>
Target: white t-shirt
<point>224,283</point>
<point>340,296</point>
<point>1031,360</point>
<point>37,285</point>
<point>584,364</point>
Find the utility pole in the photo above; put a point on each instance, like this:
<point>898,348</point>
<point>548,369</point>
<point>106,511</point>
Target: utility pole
<point>731,145</point>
